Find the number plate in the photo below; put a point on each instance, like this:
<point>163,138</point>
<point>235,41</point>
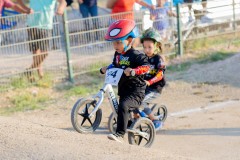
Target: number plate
<point>113,76</point>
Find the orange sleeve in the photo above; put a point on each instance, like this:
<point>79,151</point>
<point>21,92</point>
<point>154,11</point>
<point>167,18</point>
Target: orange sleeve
<point>157,78</point>
<point>141,70</point>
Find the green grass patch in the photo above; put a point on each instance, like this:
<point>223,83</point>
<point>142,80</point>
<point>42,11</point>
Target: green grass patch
<point>95,66</point>
<point>80,91</point>
<point>236,43</point>
<point>210,42</point>
<point>201,59</point>
<point>217,56</point>
<point>46,82</point>
<point>25,101</point>
<point>179,67</point>
<point>19,83</point>
<point>85,84</point>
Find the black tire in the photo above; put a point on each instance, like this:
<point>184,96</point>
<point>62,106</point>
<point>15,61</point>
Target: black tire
<point>112,123</point>
<point>160,110</point>
<point>80,120</point>
<point>142,125</point>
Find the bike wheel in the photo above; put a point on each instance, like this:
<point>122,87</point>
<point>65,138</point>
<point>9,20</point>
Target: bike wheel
<point>142,133</point>
<point>160,111</point>
<point>81,121</point>
<point>112,123</point>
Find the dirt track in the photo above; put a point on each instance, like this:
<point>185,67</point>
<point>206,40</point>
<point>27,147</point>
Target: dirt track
<point>205,134</point>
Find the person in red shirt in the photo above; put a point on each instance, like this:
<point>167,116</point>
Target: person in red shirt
<point>120,6</point>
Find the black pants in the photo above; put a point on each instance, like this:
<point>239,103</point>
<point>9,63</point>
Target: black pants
<point>126,103</point>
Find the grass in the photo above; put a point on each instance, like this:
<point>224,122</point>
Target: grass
<point>179,67</point>
<point>25,101</point>
<point>200,59</point>
<point>205,50</point>
<point>209,42</point>
<point>217,56</point>
<point>236,43</point>
<point>85,84</point>
<point>21,82</point>
<point>22,98</point>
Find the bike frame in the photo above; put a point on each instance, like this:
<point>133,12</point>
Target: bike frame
<point>107,88</point>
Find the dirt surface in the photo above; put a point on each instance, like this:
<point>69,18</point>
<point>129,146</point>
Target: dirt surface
<point>203,123</point>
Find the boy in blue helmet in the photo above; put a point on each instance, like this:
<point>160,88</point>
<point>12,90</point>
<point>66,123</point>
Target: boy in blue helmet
<point>131,87</point>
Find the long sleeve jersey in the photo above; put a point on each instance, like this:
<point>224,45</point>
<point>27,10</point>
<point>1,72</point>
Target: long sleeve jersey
<point>131,84</point>
<point>155,76</point>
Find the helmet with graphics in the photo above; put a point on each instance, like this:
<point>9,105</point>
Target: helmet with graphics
<point>151,34</point>
<point>121,30</point>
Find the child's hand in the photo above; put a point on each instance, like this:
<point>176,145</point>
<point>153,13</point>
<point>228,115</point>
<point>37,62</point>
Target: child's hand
<point>147,83</point>
<point>127,71</point>
<point>104,69</point>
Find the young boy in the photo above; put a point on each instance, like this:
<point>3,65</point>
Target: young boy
<point>131,87</point>
<point>154,79</point>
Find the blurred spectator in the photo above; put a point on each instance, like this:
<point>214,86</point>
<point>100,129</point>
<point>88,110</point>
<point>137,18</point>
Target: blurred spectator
<point>198,13</point>
<point>160,16</point>
<point>87,7</point>
<point>120,6</point>
<point>204,5</point>
<point>190,17</point>
<point>40,29</point>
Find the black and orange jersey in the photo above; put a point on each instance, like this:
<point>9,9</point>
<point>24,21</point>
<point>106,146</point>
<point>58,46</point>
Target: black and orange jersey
<point>137,61</point>
<point>155,76</point>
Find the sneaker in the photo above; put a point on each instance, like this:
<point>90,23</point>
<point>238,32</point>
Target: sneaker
<point>157,124</point>
<point>116,137</point>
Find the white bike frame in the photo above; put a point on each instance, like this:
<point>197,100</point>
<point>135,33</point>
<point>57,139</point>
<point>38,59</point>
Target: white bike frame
<point>107,88</point>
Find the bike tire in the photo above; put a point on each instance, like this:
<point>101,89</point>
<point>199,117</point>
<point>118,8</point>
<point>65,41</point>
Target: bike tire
<point>160,110</point>
<point>87,124</point>
<point>144,125</point>
<point>112,123</point>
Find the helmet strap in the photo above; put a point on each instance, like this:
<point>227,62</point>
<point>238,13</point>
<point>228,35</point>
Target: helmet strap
<point>126,47</point>
<point>157,48</point>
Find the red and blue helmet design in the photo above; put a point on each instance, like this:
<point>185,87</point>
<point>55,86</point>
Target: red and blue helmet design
<point>121,30</point>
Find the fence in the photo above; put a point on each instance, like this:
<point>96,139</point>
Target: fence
<point>77,45</point>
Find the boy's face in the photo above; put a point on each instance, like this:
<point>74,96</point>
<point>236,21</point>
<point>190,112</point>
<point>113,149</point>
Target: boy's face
<point>119,45</point>
<point>148,47</point>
